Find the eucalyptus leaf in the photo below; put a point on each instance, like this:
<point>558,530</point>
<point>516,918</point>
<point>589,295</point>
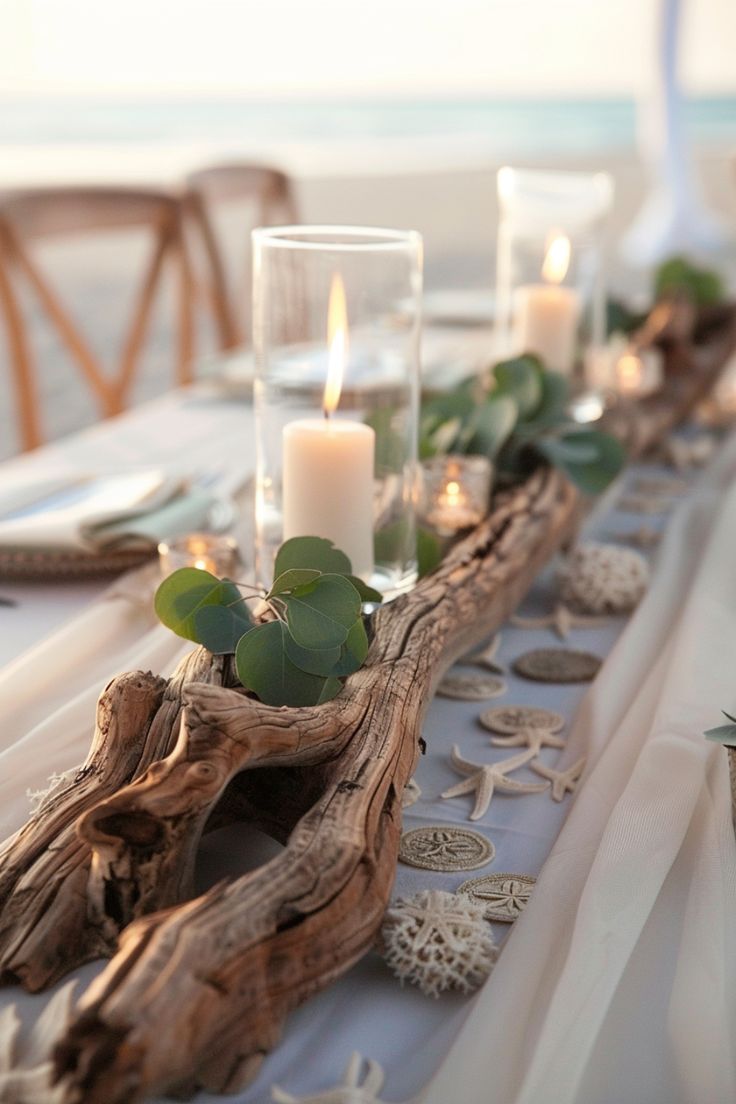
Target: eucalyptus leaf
<point>520,379</point>
<point>188,590</point>
<point>293,578</point>
<point>394,542</point>
<point>322,618</point>
<point>590,459</point>
<point>429,552</point>
<point>311,552</point>
<point>367,593</point>
<point>390,451</point>
<point>219,628</point>
<point>723,734</point>
<point>354,651</point>
<point>315,661</point>
<point>704,286</point>
<point>491,425</point>
<point>264,667</point>
<point>552,407</point>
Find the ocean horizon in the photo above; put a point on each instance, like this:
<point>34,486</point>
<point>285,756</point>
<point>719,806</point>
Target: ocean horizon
<point>513,126</point>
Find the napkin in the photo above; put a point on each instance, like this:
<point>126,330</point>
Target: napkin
<point>101,513</point>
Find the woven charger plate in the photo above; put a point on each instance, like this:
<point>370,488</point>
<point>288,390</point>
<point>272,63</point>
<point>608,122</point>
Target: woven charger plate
<point>22,565</point>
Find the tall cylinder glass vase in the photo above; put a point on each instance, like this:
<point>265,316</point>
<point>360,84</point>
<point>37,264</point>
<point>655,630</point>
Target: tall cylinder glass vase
<point>336,316</point>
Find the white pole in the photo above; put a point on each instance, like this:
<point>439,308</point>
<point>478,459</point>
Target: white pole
<point>673,218</point>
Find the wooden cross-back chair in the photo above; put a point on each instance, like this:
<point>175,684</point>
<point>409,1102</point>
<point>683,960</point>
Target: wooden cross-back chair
<point>271,195</point>
<point>29,216</point>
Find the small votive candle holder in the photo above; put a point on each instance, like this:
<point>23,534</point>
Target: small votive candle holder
<point>456,493</point>
<point>209,552</point>
<point>624,369</point>
<point>550,295</point>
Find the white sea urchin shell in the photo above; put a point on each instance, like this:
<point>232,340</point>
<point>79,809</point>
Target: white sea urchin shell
<point>438,941</point>
<point>603,578</point>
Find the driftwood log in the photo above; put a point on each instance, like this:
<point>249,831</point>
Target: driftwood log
<point>198,989</point>
<point>241,956</point>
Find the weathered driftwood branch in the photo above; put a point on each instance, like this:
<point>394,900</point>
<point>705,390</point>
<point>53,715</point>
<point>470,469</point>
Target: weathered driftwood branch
<point>243,955</point>
<point>118,846</point>
<point>44,867</point>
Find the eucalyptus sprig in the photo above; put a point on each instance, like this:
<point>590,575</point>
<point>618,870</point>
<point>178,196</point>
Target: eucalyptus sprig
<point>317,635</point>
<point>723,734</point>
<point>517,416</point>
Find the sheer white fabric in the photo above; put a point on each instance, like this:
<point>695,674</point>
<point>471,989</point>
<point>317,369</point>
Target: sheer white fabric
<point>618,983</point>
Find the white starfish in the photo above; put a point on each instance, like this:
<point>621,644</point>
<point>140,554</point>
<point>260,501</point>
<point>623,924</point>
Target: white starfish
<point>485,779</point>
<point>562,620</point>
<point>562,781</point>
<point>486,657</point>
<point>349,1092</point>
<point>533,738</point>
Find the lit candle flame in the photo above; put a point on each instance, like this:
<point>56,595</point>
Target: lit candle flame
<point>452,492</point>
<point>337,341</point>
<point>629,371</point>
<point>557,259</point>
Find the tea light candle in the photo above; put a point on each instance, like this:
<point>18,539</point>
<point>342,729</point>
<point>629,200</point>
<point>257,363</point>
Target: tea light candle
<point>216,554</point>
<point>639,374</point>
<point>328,463</point>
<point>456,492</point>
<point>547,314</point>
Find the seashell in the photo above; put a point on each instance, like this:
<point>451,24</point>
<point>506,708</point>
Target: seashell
<point>603,578</point>
<point>438,941</point>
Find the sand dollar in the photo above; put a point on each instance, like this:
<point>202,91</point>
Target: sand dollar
<point>445,848</point>
<point>509,719</point>
<point>557,665</point>
<point>503,896</point>
<point>473,686</point>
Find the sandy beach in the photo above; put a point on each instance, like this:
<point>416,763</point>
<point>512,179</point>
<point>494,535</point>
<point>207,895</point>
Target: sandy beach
<point>446,193</point>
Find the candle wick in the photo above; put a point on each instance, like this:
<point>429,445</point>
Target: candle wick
<point>326,414</point>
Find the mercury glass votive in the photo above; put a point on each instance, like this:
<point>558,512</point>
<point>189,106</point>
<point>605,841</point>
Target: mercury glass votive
<point>456,493</point>
<point>336,314</point>
<point>549,275</point>
<point>217,554</point>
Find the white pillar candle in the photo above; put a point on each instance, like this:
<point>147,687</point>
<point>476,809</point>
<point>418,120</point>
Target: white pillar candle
<point>547,318</point>
<point>328,462</point>
<point>328,485</point>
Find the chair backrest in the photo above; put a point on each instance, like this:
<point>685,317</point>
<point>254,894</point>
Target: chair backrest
<point>29,216</point>
<point>269,197</point>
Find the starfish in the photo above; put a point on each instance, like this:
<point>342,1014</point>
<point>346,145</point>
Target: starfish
<point>562,781</point>
<point>486,657</point>
<point>485,779</point>
<point>562,620</point>
<point>349,1092</point>
<point>533,738</point>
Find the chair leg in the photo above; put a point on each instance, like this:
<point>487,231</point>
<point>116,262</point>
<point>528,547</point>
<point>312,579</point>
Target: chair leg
<point>224,320</point>
<point>21,365</point>
<point>185,307</point>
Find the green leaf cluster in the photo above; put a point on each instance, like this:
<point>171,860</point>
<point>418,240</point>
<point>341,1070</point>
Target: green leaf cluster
<point>317,637</point>
<point>703,286</point>
<point>517,416</point>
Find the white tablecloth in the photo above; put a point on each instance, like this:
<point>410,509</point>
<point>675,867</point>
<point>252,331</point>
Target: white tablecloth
<point>565,978</point>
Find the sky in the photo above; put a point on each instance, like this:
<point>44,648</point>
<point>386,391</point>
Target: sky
<point>167,48</point>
